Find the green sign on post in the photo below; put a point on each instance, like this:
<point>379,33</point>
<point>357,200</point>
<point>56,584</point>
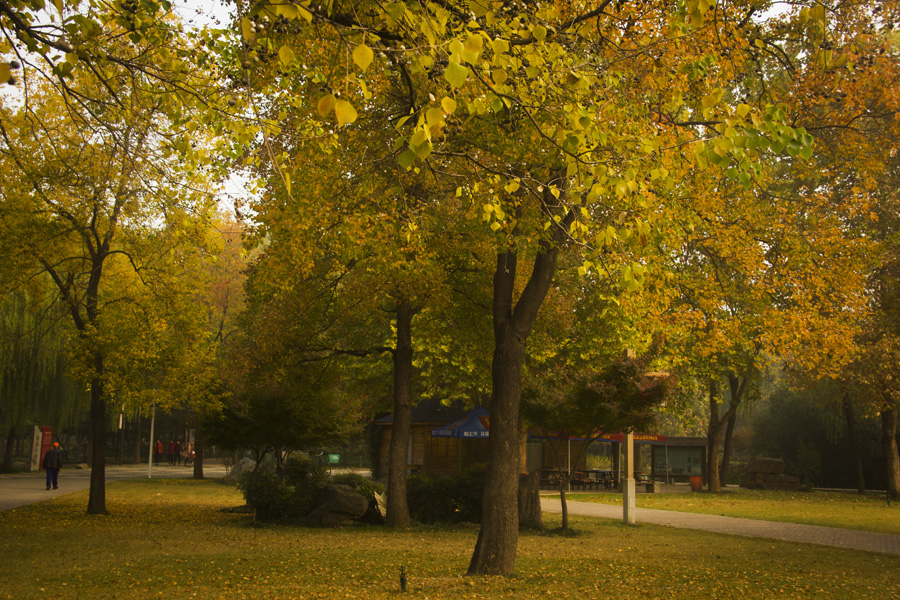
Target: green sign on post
<point>334,459</point>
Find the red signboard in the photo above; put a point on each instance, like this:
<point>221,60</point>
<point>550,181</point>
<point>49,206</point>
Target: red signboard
<point>46,442</point>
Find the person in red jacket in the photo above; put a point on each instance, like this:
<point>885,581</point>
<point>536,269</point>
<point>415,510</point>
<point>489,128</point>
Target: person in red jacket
<point>157,452</point>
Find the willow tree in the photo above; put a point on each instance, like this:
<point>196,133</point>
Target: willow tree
<point>35,386</point>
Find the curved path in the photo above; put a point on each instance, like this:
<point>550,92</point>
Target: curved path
<point>26,488</point>
<point>19,489</point>
<point>792,532</point>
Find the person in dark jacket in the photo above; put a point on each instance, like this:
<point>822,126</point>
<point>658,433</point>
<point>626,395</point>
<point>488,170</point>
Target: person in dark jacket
<point>52,464</point>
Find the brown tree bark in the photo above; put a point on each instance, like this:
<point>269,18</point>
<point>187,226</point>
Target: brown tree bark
<point>495,550</point>
<point>397,506</point>
<point>137,438</point>
<point>735,387</point>
<point>97,494</point>
<point>530,516</point>
<point>889,449</point>
<point>850,417</point>
<point>717,426</point>
<point>9,450</point>
<point>198,454</point>
<point>712,440</point>
<point>726,449</point>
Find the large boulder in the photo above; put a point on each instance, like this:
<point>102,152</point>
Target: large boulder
<point>339,505</point>
<point>768,474</point>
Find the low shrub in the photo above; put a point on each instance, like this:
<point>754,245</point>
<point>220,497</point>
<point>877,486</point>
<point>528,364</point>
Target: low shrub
<point>363,485</point>
<point>306,478</point>
<point>268,496</point>
<point>455,499</point>
<point>290,498</point>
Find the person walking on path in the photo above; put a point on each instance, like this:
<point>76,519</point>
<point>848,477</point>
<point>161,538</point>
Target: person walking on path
<point>157,451</point>
<point>52,464</point>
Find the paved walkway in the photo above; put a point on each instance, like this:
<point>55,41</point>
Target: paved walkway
<point>792,532</point>
<point>20,489</point>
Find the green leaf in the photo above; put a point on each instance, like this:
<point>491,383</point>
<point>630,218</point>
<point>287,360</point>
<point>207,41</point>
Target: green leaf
<point>325,105</point>
<point>363,56</point>
<point>434,116</point>
<point>418,138</point>
<point>448,104</point>
<point>479,7</point>
<point>286,56</point>
<point>344,112</point>
<point>247,28</point>
<point>395,10</point>
<point>474,43</point>
<point>406,158</point>
<point>456,74</point>
<point>288,11</point>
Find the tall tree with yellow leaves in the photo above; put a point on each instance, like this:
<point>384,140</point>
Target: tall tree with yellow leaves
<point>82,201</point>
<point>565,125</point>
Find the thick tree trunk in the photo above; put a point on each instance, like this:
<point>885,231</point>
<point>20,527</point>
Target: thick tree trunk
<point>278,453</point>
<point>9,449</point>
<point>565,508</point>
<point>712,440</point>
<point>530,501</point>
<point>397,507</point>
<point>736,388</point>
<point>198,454</point>
<point>97,495</point>
<point>495,550</point>
<point>850,417</point>
<point>889,449</point>
<point>718,425</point>
<point>137,439</point>
<point>726,449</point>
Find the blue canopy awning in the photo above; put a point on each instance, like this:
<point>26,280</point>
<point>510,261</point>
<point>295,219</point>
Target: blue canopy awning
<point>476,424</point>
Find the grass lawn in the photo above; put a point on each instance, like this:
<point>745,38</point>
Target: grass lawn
<point>176,539</point>
<point>831,509</point>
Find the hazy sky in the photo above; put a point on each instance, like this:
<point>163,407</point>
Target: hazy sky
<point>204,12</point>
